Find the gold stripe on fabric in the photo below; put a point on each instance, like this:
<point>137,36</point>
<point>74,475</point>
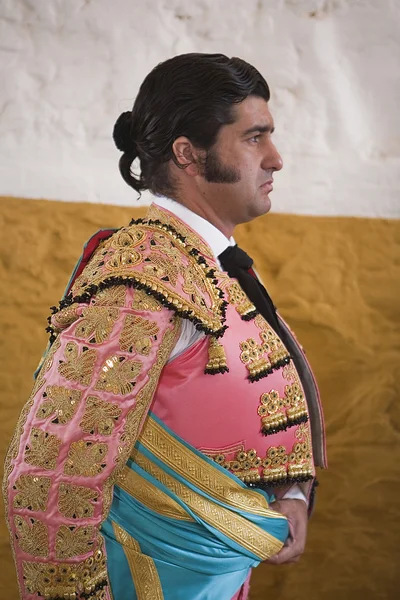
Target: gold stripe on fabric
<point>200,473</point>
<point>151,496</point>
<point>143,570</point>
<point>233,525</point>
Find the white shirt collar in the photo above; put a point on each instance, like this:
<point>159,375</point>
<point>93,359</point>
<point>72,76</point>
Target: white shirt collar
<point>210,234</point>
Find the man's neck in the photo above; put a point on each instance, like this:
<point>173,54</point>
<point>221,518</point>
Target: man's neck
<point>205,211</point>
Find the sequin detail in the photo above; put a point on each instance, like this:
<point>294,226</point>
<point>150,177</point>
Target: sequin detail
<point>278,413</point>
<point>143,301</point>
<point>60,403</point>
<point>118,375</point>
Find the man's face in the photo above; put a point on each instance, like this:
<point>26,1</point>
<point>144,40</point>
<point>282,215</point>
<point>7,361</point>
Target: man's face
<point>238,170</point>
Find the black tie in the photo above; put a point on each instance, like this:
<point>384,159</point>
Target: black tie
<point>237,263</point>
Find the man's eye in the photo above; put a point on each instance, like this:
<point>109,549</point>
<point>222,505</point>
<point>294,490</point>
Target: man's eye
<point>255,139</point>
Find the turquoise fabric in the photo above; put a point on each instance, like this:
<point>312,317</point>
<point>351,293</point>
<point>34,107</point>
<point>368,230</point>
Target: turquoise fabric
<point>194,560</point>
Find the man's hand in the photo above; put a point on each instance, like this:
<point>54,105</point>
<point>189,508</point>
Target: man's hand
<point>296,513</point>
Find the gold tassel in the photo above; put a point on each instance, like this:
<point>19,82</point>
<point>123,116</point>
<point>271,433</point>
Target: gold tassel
<point>216,358</point>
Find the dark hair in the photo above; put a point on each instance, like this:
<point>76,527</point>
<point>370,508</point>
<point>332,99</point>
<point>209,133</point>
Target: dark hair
<point>190,95</point>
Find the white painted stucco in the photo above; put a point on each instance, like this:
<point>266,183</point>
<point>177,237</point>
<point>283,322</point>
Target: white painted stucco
<point>69,67</point>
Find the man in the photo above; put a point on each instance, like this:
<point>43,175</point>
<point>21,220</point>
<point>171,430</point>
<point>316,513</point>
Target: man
<point>169,442</point>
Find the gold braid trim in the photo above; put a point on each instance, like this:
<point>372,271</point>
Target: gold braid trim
<point>237,528</point>
<point>151,496</point>
<point>144,573</point>
<point>199,472</point>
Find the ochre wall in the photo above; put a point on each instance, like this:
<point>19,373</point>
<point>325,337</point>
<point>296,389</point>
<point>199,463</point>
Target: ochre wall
<point>336,280</point>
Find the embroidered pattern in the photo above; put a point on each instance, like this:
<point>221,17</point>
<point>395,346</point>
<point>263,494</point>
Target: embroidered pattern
<point>32,536</point>
<point>238,298</point>
<point>96,323</point>
<point>163,268</point>
<point>111,296</point>
<point>143,301</point>
<point>278,414</point>
<point>127,237</point>
<point>277,467</point>
<point>74,541</point>
<point>64,580</point>
<point>158,275</point>
<point>75,501</point>
<point>216,358</point>
<point>262,359</point>
<point>86,458</point>
<point>60,402</point>
<point>100,416</point>
<point>32,492</point>
<point>143,570</point>
<point>138,335</point>
<point>118,375</point>
<point>77,366</point>
<point>42,450</point>
<point>63,319</point>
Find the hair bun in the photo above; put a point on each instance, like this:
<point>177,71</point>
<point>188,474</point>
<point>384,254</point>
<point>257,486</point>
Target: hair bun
<point>122,133</point>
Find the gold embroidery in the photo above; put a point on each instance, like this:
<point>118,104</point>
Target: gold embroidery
<point>77,366</point>
<point>64,580</point>
<point>136,416</point>
<point>118,375</point>
<point>216,358</point>
<point>151,496</point>
<point>111,296</point>
<point>245,465</point>
<point>100,416</point>
<point>143,301</point>
<point>75,501</point>
<point>144,572</point>
<point>159,274</point>
<point>280,413</point>
<point>262,359</point>
<point>138,334</point>
<point>12,452</point>
<point>198,472</point>
<point>45,364</point>
<point>96,323</point>
<point>63,319</point>
<point>192,238</point>
<point>32,492</point>
<point>277,467</point>
<point>238,298</point>
<point>32,536</point>
<point>233,525</point>
<point>163,268</point>
<point>60,402</point>
<point>43,449</point>
<point>74,541</point>
<point>127,237</point>
<point>86,458</point>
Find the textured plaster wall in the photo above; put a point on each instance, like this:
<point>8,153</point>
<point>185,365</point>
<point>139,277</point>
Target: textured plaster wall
<point>336,281</point>
<point>68,68</point>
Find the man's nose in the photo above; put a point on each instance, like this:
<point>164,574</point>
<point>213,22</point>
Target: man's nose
<point>272,159</point>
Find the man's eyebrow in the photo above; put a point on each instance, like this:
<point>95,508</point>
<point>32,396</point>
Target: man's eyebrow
<point>259,129</point>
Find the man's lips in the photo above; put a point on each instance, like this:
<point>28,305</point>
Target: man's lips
<point>268,185</point>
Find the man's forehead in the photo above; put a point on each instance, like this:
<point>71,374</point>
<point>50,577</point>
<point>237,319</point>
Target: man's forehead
<point>253,111</point>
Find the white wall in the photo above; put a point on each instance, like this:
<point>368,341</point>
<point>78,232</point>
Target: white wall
<point>69,67</point>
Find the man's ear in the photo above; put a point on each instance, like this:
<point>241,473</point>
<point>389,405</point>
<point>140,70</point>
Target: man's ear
<point>187,156</point>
